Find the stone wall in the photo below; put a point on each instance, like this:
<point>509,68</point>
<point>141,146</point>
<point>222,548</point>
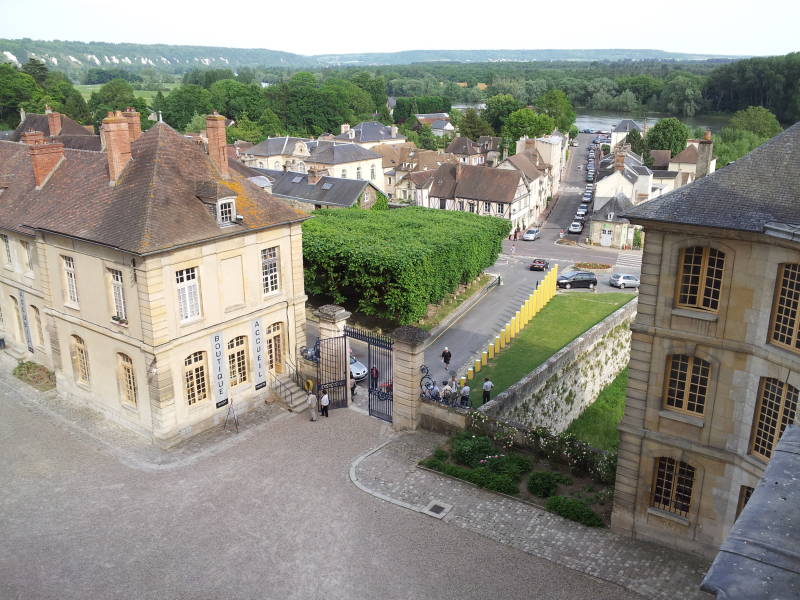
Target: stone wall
<point>442,419</point>
<point>558,391</point>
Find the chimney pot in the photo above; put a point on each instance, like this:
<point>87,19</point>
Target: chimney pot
<point>345,127</point>
<point>53,122</point>
<point>707,135</point>
<point>134,123</point>
<point>45,158</point>
<point>619,161</point>
<point>32,137</point>
<point>217,140</point>
<point>116,136</point>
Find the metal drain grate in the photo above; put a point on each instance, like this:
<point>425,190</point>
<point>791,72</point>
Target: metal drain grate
<point>437,509</point>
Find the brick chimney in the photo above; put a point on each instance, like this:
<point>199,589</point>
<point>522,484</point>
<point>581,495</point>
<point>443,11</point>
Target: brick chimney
<point>345,127</point>
<point>44,159</point>
<point>32,137</point>
<point>117,143</point>
<point>314,175</point>
<point>215,130</point>
<point>134,124</point>
<point>707,135</point>
<point>394,131</point>
<point>53,121</point>
<point>705,155</point>
<point>619,161</point>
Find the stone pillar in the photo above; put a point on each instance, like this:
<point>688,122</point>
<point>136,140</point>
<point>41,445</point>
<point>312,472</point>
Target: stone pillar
<point>408,357</point>
<point>332,319</point>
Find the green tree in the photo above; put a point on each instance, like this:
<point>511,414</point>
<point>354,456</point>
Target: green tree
<point>555,104</point>
<point>270,124</point>
<point>16,88</point>
<point>635,139</point>
<point>473,126</point>
<point>246,130</point>
<point>117,94</point>
<point>757,120</point>
<point>36,69</point>
<point>233,99</point>
<point>427,139</point>
<point>184,102</point>
<point>498,108</point>
<point>526,122</point>
<point>668,134</point>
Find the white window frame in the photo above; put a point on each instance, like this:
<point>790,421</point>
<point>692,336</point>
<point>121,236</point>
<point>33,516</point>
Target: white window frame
<point>358,172</point>
<point>195,378</point>
<point>188,289</point>
<point>70,280</point>
<point>372,173</point>
<point>344,173</point>
<point>9,252</point>
<point>28,247</point>
<point>226,212</point>
<point>271,270</point>
<point>120,312</point>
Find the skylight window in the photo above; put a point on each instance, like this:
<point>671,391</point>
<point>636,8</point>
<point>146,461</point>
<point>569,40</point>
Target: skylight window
<point>297,179</point>
<point>327,186</point>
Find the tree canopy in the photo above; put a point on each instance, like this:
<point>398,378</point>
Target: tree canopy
<point>527,122</point>
<point>498,108</point>
<point>757,120</point>
<point>668,134</point>
<point>555,104</point>
<point>473,126</point>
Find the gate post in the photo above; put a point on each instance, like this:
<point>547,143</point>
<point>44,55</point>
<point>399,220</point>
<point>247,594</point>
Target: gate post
<point>408,357</point>
<point>332,319</point>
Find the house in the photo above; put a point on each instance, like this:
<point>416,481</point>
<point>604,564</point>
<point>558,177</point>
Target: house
<point>316,189</point>
<point>536,180</point>
<point>607,225</point>
<point>401,159</point>
<point>345,160</point>
<point>552,148</point>
<point>481,190</point>
<point>697,158</point>
<point>57,128</point>
<point>485,151</point>
<point>623,172</point>
<point>438,122</point>
<point>715,364</point>
<point>621,131</point>
<point>415,188</point>
<point>369,134</point>
<point>161,285</point>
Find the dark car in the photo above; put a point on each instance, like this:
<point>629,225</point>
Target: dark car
<point>539,264</point>
<point>577,279</point>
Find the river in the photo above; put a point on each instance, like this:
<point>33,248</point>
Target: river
<point>606,121</point>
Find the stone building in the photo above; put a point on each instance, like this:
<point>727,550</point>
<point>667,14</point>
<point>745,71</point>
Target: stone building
<point>715,352</point>
<point>158,283</point>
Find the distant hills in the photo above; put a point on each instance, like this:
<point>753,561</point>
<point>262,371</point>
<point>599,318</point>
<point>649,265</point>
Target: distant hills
<point>79,56</point>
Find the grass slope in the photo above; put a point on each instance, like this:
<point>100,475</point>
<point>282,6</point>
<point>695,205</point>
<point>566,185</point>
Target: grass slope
<point>597,425</point>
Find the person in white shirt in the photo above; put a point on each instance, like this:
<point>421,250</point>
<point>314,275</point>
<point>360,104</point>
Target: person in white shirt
<point>311,401</point>
<point>487,389</point>
<point>465,391</point>
<point>324,402</point>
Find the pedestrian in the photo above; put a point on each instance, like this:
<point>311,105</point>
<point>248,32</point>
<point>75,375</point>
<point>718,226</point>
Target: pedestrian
<point>453,385</point>
<point>352,385</point>
<point>373,375</point>
<point>447,391</point>
<point>487,389</point>
<point>311,401</point>
<point>324,402</point>
<point>446,356</point>
<point>465,391</point>
<point>436,393</point>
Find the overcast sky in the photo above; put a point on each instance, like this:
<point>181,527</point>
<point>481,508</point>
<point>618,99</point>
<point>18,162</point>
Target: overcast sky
<point>311,27</point>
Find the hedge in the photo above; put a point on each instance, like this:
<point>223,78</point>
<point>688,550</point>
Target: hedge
<point>573,509</point>
<point>394,263</point>
<point>545,483</point>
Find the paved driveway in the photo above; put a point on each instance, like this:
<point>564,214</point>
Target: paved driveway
<point>271,515</point>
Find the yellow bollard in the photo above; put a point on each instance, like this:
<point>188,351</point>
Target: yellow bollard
<point>508,333</point>
<point>517,323</point>
<point>485,357</point>
<point>477,366</point>
<point>470,374</point>
<point>463,381</point>
<point>502,337</point>
<point>496,345</point>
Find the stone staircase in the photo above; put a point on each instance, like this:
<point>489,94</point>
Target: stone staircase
<point>287,393</point>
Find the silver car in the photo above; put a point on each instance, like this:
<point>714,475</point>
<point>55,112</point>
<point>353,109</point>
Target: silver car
<point>531,235</point>
<point>623,280</point>
<point>357,368</point>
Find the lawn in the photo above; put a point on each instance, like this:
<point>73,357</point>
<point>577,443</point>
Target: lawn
<point>86,91</point>
<point>597,425</point>
<point>564,318</point>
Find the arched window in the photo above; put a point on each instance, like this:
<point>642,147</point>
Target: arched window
<point>776,408</point>
<point>80,360</point>
<point>372,172</point>
<point>700,278</point>
<point>672,486</point>
<point>785,329</point>
<point>37,326</point>
<point>686,384</point>
<point>18,331</point>
<point>194,375</point>
<point>127,379</point>
<point>274,347</point>
<point>237,360</point>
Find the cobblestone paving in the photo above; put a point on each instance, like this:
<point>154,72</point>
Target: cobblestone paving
<point>647,569</point>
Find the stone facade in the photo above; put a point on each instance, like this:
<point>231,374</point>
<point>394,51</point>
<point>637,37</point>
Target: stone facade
<point>733,342</point>
<point>558,391</point>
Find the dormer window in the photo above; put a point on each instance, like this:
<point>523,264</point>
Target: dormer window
<point>226,212</point>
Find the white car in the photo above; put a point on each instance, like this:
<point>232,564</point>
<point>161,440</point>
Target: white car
<point>576,227</point>
<point>531,235</point>
<point>357,368</point>
<point>623,280</point>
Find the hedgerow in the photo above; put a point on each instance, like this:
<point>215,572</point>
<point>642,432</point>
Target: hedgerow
<point>395,263</point>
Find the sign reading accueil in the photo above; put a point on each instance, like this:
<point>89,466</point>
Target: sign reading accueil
<point>259,370</point>
<point>219,374</point>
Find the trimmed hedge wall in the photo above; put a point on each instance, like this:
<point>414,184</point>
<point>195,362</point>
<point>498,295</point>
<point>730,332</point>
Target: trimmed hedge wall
<point>394,263</point>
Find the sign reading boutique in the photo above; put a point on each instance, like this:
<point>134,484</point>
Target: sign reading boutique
<point>219,363</point>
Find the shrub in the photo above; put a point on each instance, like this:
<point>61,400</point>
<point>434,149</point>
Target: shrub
<point>469,450</point>
<point>513,465</point>
<point>440,454</point>
<point>395,263</point>
<point>482,477</point>
<point>573,509</point>
<point>545,483</point>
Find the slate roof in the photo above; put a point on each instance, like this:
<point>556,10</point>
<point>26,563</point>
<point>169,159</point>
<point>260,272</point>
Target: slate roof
<point>463,145</point>
<point>490,143</point>
<point>370,131</point>
<point>665,174</point>
<point>339,192</point>
<point>37,122</point>
<point>617,204</point>
<point>525,163</point>
<point>422,179</point>
<point>687,155</point>
<point>633,167</point>
<point>432,116</point>
<point>276,146</point>
<point>6,134</point>
<point>473,182</point>
<point>161,200</point>
<point>660,158</point>
<point>334,153</point>
<point>759,559</point>
<point>626,125</point>
<point>758,189</point>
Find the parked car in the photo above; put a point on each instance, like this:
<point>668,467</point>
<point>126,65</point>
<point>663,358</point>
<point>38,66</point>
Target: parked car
<point>574,143</point>
<point>576,227</point>
<point>623,280</point>
<point>580,218</point>
<point>583,207</point>
<point>590,177</point>
<point>531,235</point>
<point>357,369</point>
<point>539,264</point>
<point>576,279</point>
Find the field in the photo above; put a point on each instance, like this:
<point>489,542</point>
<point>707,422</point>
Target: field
<point>86,91</point>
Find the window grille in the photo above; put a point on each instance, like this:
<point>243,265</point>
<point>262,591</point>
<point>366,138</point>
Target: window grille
<point>687,384</point>
<point>784,327</point>
<point>270,269</point>
<point>195,377</point>
<point>672,486</point>
<point>127,379</point>
<point>237,360</point>
<point>700,278</point>
<point>118,295</point>
<point>776,408</point>
<point>71,280</point>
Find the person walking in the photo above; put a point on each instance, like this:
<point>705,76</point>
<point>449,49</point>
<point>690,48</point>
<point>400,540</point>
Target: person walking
<point>311,401</point>
<point>446,356</point>
<point>352,385</point>
<point>436,394</point>
<point>447,392</point>
<point>487,389</point>
<point>373,375</point>
<point>465,391</point>
<point>324,402</point>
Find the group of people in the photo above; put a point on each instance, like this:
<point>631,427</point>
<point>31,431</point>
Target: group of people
<point>311,402</point>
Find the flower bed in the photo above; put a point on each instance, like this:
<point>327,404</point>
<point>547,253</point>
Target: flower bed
<point>562,488</point>
<point>592,266</point>
<point>35,375</point>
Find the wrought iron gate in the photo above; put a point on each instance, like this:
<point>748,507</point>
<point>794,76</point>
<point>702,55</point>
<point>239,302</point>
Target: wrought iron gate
<point>332,370</point>
<point>380,378</point>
